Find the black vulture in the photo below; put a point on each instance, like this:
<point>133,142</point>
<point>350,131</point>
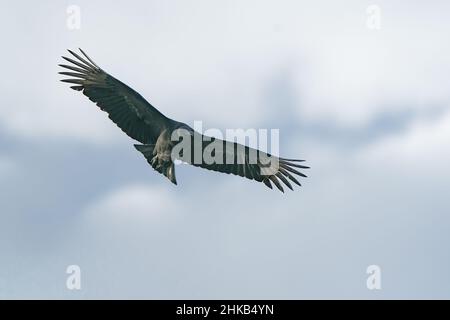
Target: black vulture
<point>161,137</point>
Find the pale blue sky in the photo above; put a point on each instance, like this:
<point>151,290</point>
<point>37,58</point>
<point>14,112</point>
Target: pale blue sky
<point>368,109</point>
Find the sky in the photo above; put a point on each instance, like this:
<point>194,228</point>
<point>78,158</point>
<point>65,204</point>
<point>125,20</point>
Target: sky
<point>367,105</point>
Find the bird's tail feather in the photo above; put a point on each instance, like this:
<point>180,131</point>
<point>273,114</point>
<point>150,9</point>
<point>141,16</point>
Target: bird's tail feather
<point>167,169</point>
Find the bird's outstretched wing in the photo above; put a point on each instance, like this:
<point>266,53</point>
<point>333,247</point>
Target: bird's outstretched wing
<point>125,107</point>
<point>234,158</point>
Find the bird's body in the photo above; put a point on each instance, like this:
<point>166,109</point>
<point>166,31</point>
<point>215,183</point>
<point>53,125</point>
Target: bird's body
<point>159,134</point>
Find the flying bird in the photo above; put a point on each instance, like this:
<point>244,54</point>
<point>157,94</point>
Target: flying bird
<point>144,123</point>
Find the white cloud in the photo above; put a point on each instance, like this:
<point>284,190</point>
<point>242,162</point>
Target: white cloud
<point>423,145</point>
<point>210,61</point>
<point>133,205</point>
<point>355,74</point>
<point>75,118</point>
<point>214,64</point>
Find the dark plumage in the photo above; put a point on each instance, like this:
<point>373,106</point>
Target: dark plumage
<point>144,123</point>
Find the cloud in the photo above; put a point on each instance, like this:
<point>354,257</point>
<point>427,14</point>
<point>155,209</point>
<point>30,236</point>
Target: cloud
<point>354,74</point>
<point>423,145</point>
<point>216,235</point>
<point>214,64</point>
<point>131,204</point>
<point>7,166</point>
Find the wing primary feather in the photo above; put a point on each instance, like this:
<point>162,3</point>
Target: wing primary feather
<point>76,81</point>
<point>295,160</point>
<point>267,183</point>
<point>87,57</point>
<point>284,166</point>
<point>283,178</point>
<point>73,74</point>
<point>87,68</point>
<point>277,183</point>
<point>298,166</point>
<point>73,68</point>
<point>290,176</point>
<point>82,59</point>
<point>294,165</point>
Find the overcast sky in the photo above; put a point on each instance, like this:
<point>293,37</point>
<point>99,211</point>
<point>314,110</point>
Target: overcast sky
<point>369,109</point>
